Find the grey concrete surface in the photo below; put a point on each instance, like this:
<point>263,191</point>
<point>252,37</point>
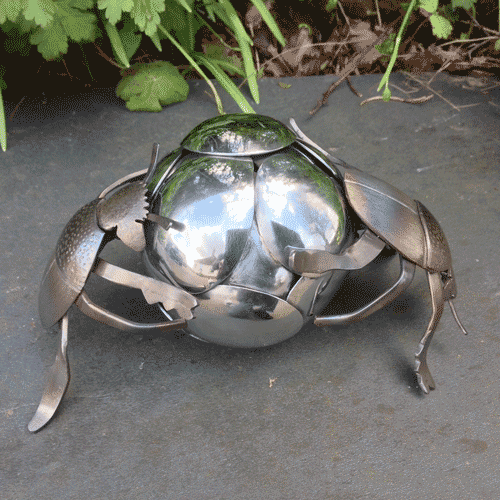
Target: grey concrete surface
<point>170,417</point>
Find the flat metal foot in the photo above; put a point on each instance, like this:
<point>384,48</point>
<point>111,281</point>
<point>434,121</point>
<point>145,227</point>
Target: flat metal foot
<point>57,383</point>
<point>424,377</point>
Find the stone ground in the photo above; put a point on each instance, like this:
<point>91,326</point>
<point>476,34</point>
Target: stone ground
<point>149,417</point>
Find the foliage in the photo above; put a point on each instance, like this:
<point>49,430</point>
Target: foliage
<point>149,86</point>
<point>440,19</point>
<point>53,25</point>
<point>56,27</point>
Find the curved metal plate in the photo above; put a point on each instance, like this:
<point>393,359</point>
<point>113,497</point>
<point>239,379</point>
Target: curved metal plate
<point>240,317</point>
<point>70,265</point>
<point>256,269</point>
<point>438,254</point>
<point>388,212</point>
<point>298,205</point>
<point>238,135</point>
<point>213,198</point>
<point>164,168</point>
<point>125,210</point>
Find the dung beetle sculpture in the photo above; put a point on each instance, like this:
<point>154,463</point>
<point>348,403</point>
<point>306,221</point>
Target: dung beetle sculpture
<point>247,230</point>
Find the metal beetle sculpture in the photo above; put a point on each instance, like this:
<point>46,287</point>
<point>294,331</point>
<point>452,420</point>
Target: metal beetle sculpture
<point>247,229</point>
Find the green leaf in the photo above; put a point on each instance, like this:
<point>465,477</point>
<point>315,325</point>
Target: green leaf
<point>183,25</point>
<point>16,40</point>
<point>235,22</point>
<point>387,46</point>
<point>224,56</point>
<point>331,5</point>
<point>429,5</point>
<point>130,37</point>
<point>116,44</point>
<point>195,65</point>
<point>231,68</point>
<point>156,40</point>
<point>242,39</point>
<point>82,4</point>
<point>441,27</point>
<point>67,23</point>
<point>284,85</point>
<point>465,4</point>
<point>145,13</point>
<point>226,83</point>
<point>3,84</point>
<point>269,20</point>
<point>10,9</point>
<point>152,85</point>
<point>185,5</point>
<point>114,8</point>
<point>51,42</point>
<point>497,45</point>
<point>40,11</point>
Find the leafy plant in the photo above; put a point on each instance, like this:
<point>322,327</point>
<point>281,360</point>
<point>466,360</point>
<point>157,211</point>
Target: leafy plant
<point>54,25</point>
<point>440,19</point>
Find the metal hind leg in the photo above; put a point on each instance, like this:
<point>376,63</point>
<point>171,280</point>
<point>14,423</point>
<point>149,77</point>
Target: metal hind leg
<point>424,377</point>
<point>57,383</point>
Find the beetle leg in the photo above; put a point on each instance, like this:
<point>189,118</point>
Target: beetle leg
<point>57,383</point>
<point>106,317</point>
<point>405,278</point>
<point>424,377</point>
<point>154,291</point>
<point>313,263</point>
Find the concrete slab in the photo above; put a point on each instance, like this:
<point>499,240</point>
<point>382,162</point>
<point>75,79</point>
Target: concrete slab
<point>149,417</point>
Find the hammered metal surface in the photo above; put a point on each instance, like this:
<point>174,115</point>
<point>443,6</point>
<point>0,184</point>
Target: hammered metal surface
<point>388,212</point>
<point>238,135</point>
<point>125,210</point>
<point>70,266</point>
<point>437,255</point>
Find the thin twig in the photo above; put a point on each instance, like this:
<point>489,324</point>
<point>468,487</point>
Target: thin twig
<point>442,68</point>
<point>306,46</point>
<point>11,117</point>
<point>343,13</point>
<point>417,100</point>
<point>378,14</point>
<point>349,68</point>
<point>102,54</point>
<point>424,84</point>
<point>353,90</point>
<point>470,41</point>
<point>407,92</point>
<point>69,74</point>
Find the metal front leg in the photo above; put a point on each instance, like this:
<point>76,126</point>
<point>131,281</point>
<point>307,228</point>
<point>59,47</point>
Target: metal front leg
<point>57,383</point>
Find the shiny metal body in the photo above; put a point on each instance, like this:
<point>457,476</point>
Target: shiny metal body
<point>247,230</point>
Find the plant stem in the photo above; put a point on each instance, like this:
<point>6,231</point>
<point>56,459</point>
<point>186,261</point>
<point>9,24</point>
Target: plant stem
<point>385,78</point>
<point>195,66</point>
<point>3,126</point>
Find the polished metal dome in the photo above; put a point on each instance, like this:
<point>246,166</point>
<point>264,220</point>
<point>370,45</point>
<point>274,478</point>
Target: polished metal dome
<point>242,191</point>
